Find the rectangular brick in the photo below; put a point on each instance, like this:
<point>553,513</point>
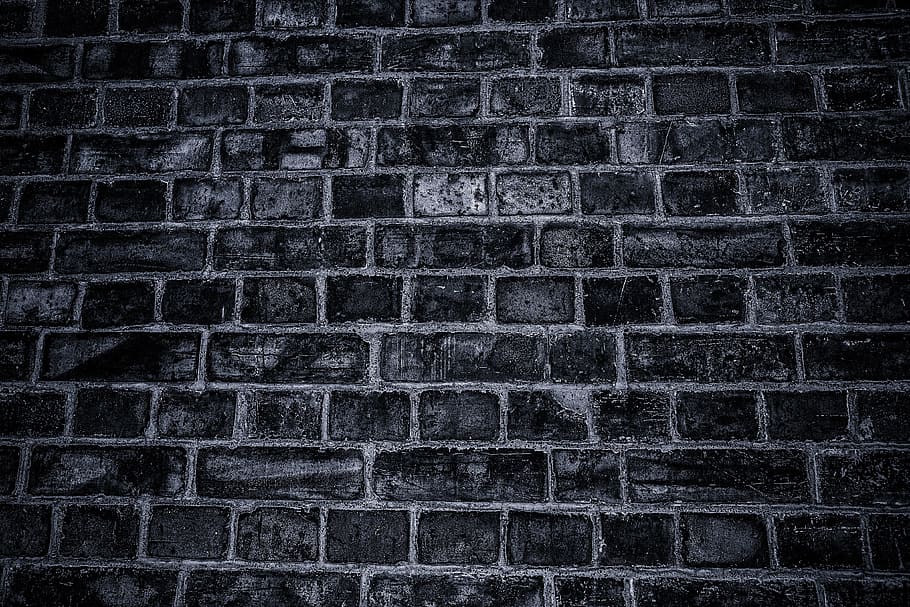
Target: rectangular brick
<point>113,154</point>
<point>262,56</point>
<point>857,356</point>
<point>715,246</point>
<point>454,246</point>
<point>151,60</point>
<point>294,150</point>
<point>452,146</point>
<point>247,588</point>
<point>425,589</point>
<point>44,585</point>
<point>739,44</point>
<point>467,52</point>
<point>287,248</point>
<point>130,251</point>
<point>36,63</point>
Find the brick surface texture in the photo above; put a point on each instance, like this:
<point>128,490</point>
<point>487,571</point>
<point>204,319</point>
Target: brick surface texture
<point>468,303</point>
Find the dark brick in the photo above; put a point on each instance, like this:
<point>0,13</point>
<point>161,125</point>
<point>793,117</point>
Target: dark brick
<point>75,17</point>
<point>292,358</point>
<point>838,138</point>
<point>877,298</point>
<point>24,530</point>
<point>124,201</point>
<point>876,189</point>
<point>280,248</point>
<point>26,414</point>
<point>293,473</point>
<point>300,55</point>
<point>444,12</point>
<point>578,591</point>
<point>618,193</point>
<point>705,357</point>
<point>448,298</point>
<point>294,150</point>
<point>131,154</point>
<point>72,108</point>
<point>576,246</point>
<point>10,111</point>
<point>819,541</point>
<point>32,155</point>
<point>452,146</point>
<point>445,538</point>
<point>703,247</point>
<point>369,416</point>
<point>728,415</point>
<point>198,302</point>
<point>199,199</point>
<point>279,300</point>
<point>843,6</point>
<point>359,13</point>
<point>212,105</point>
<point>91,586</point>
<point>363,298</point>
<point>618,301</point>
<point>40,303</point>
<point>143,60</point>
<point>684,8</point>
<point>635,415</point>
<point>109,532</point>
<point>150,16</point>
<point>852,243</point>
<point>694,193</point>
<point>366,536</point>
<point>861,90</point>
<point>288,103</point>
<point>867,593</point>
<point>120,356</point>
<point>195,532</point>
<point>817,416</point>
<point>248,588</point>
<point>882,416</point>
<point>889,540</point>
<point>526,96</point>
<point>724,540</point>
<point>466,52</point>
<point>573,47</point>
<point>111,413</point>
<point>549,539</point>
<point>115,471</point>
<point>583,357</point>
<point>17,351</point>
<point>36,63</point>
<point>578,143</point>
<point>772,92</point>
<point>716,593</point>
<point>460,475</point>
<point>278,534</point>
<point>208,414</point>
<point>118,304</point>
<point>444,97</point>
<point>222,15</point>
<point>585,10</point>
<point>586,476</point>
<point>451,589</point>
<point>17,17</point>
<point>857,356</point>
<point>551,415</point>
<point>522,10</point>
<point>54,202</point>
<point>794,299</point>
<point>286,199</point>
<point>784,191</point>
<point>280,14</point>
<point>535,300</point>
<point>9,469</point>
<point>138,107</point>
<point>695,141</point>
<point>636,539</point>
<point>857,478</point>
<point>363,196</point>
<point>739,44</point>
<point>691,93</point>
<point>454,246</point>
<point>366,99</point>
<point>718,476</point>
<point>458,415</point>
<point>844,41</point>
<point>708,299</point>
<point>273,414</point>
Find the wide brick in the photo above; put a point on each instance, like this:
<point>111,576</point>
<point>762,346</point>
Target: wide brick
<point>691,93</point>
<point>708,299</point>
<point>212,105</point>
<point>25,414</point>
<point>279,14</point>
<point>248,588</point>
<point>126,201</point>
<point>198,302</point>
<point>369,416</point>
<point>636,539</point>
<point>274,414</point>
<point>724,540</point>
<point>861,90</point>
<point>857,356</point>
<point>199,199</point>
<point>460,475</point>
<point>111,413</point>
<point>739,44</point>
<point>287,358</point>
<point>109,532</point>
<point>852,243</point>
<point>452,146</point>
<point>586,476</point>
<point>222,15</point>
<point>867,593</point>
<point>286,199</point>
<point>727,415</point>
<point>366,99</point>
<point>875,189</point>
<point>525,96</point>
<point>17,351</point>
<point>361,13</point>
<point>388,590</point>
<point>618,301</point>
<point>695,141</point>
<point>549,539</point>
<point>416,357</point>
<point>718,476</point>
<point>183,414</point>
<point>709,593</point>
<point>113,154</point>
<point>773,92</point>
<point>40,303</point>
<point>294,150</point>
<point>36,63</point>
<point>843,41</point>
<point>576,246</point>
<point>24,530</point>
<point>533,193</point>
<point>91,586</point>
<point>846,139</point>
<point>535,300</point>
<point>617,193</point>
<point>450,194</point>
<point>583,357</point>
<point>573,47</point>
<point>458,415</point>
<point>363,196</point>
<point>793,299</point>
<point>444,97</point>
<point>278,534</point>
<point>882,416</point>
<point>813,415</point>
<point>784,191</point>
<point>193,532</point>
<point>292,473</point>
<point>54,202</point>
<point>120,356</point>
<point>705,357</point>
<point>573,143</point>
<point>147,60</point>
<point>288,103</point>
<point>452,538</point>
<point>367,536</point>
<point>466,52</point>
<point>703,247</point>
<point>579,591</point>
<point>819,541</point>
<point>286,248</point>
<point>694,193</point>
<point>76,17</point>
<point>363,298</point>
<point>32,155</point>
<point>858,478</point>
<point>444,12</point>
<point>635,415</point>
<point>454,246</point>
<point>279,300</point>
<point>71,108</point>
<point>300,55</point>
<point>150,16</point>
<point>118,304</point>
<point>25,252</point>
<point>547,416</point>
<point>114,471</point>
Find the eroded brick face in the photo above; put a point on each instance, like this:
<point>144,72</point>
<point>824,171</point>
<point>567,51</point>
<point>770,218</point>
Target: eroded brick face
<point>475,303</point>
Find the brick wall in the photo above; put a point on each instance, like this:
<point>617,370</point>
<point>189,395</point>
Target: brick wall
<point>484,303</point>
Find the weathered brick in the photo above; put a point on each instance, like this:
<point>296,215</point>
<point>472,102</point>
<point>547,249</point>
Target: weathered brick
<point>793,299</point>
<point>461,357</point>
<point>208,414</point>
<point>286,248</point>
<point>458,415</point>
<point>820,541</point>
<point>876,477</point>
<point>549,539</point>
<point>363,298</point>
<point>247,588</point>
<point>460,475</point>
<point>369,416</point>
<point>711,593</point>
<point>575,143</point>
<point>33,155</point>
<point>17,350</point>
<point>110,532</point>
<point>150,16</point>
<point>857,356</point>
<point>196,532</point>
<point>272,414</point>
<point>199,199</point>
<point>222,15</point>
<point>444,97</point>
<point>889,538</point>
<point>454,246</point>
<point>583,357</point>
<point>288,103</point>
<point>366,99</point>
<point>87,586</point>
<point>450,194</point>
<point>115,471</point>
<point>882,416</point>
<point>120,356</point>
<point>262,56</point>
<point>861,90</point>
<point>130,251</point>
<point>784,191</point>
<point>387,590</point>
<point>24,530</point>
<point>818,416</point>
<point>691,93</point>
<point>54,202</point>
<point>363,196</point>
<point>198,302</point>
<point>111,413</point>
<point>466,52</point>
<point>573,47</point>
<point>724,540</point>
<point>608,95</point>
<point>576,246</point>
<point>533,193</point>
<point>281,199</point>
<point>40,303</point>
<point>728,415</point>
<point>708,299</point>
<point>636,539</point>
<point>617,193</point>
<point>118,304</point>
<point>445,538</point>
<point>367,536</point>
<point>618,301</point>
<point>444,12</point>
<point>739,44</point>
<point>550,415</point>
<point>877,298</point>
<point>358,13</point>
<point>293,473</point>
<point>526,96</point>
<point>212,105</point>
<point>867,593</point>
<point>71,108</point>
<point>842,41</point>
<point>279,300</point>
<point>876,189</point>
<point>718,476</point>
<point>600,10</point>
<point>579,591</point>
<point>31,413</point>
<point>131,154</point>
<point>694,193</point>
<point>145,60</point>
<point>586,476</point>
<point>772,92</point>
<point>851,243</point>
<point>684,8</point>
<point>75,17</point>
<point>294,150</point>
<point>836,138</point>
<point>452,146</point>
<point>695,141</point>
<point>280,14</point>
<point>134,200</point>
<point>36,63</point>
<point>287,358</point>
<point>715,246</point>
<point>632,415</point>
<point>535,300</point>
<point>10,110</point>
<point>522,10</point>
<point>278,534</point>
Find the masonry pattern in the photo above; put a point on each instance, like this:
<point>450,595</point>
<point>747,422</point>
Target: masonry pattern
<point>484,303</point>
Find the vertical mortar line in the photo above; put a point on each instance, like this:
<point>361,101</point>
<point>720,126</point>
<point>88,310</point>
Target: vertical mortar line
<point>866,541</point>
<point>819,91</point>
<point>734,97</point>
<point>414,417</point>
<point>40,345</point>
<point>239,300</point>
<point>92,203</point>
<point>668,316</point>
<point>677,537</point>
<point>822,595</point>
<point>622,382</point>
<point>840,300</point>
<point>169,211</point>
<point>551,485</point>
<point>503,537</point>
<point>324,416</point>
<point>145,516</point>
<point>773,548</point>
<point>191,455</point>
<point>407,294</point>
<point>151,430</point>
<point>853,428</point>
<point>596,537</point>
<point>789,251</point>
<point>611,45</point>
<point>158,285</point>
<point>321,539</point>
<point>629,592</point>
<point>233,517</point>
<point>800,361</point>
<point>321,295</point>
<point>22,470</point>
<point>241,415</point>
<point>549,589</point>
<point>503,399</point>
<point>412,534</point>
<point>4,298</point>
<point>623,476</point>
<point>364,588</point>
<point>751,300</point>
<point>56,530</point>
<point>761,412</point>
<point>369,458</point>
<point>180,593</point>
<point>814,483</point>
<point>578,300</point>
<point>69,414</point>
<point>246,198</point>
<point>674,417</point>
